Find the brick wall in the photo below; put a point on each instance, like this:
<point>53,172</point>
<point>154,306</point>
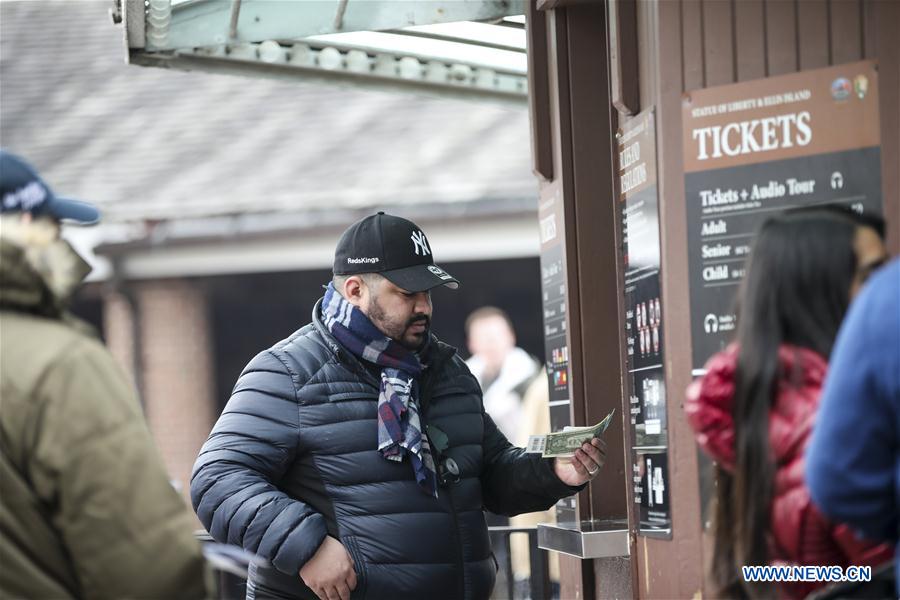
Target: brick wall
<point>177,371</point>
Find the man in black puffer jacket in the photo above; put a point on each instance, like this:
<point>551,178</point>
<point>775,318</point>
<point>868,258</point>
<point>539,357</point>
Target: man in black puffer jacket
<point>356,456</point>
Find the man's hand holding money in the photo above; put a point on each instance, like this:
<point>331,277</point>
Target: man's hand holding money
<point>577,452</point>
<point>583,465</point>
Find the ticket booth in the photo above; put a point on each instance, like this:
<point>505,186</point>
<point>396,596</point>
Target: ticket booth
<point>663,133</point>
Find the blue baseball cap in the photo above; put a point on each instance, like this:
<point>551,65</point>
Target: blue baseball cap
<point>22,190</point>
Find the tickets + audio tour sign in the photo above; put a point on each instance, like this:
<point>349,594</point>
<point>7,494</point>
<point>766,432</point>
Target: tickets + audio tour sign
<point>755,148</point>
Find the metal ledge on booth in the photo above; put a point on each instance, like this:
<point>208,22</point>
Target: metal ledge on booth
<point>587,539</point>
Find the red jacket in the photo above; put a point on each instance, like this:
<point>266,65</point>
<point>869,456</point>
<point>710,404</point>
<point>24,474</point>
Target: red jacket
<point>799,533</point>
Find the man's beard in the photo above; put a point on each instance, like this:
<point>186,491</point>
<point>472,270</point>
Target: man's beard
<point>397,330</point>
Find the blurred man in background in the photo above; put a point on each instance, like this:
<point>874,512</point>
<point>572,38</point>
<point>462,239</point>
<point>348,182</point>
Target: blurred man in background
<point>87,509</point>
<point>503,370</point>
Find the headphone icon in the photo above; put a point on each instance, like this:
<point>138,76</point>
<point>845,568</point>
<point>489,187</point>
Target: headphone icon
<point>711,323</point>
<point>837,180</point>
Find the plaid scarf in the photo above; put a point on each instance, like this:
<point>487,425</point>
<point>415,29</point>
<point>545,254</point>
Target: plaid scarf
<point>399,427</point>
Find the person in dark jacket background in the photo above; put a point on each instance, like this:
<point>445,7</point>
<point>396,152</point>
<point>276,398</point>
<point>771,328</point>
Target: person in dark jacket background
<point>860,417</point>
<point>753,411</point>
<point>356,456</point>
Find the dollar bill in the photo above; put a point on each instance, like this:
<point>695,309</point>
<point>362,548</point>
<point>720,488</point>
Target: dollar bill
<point>565,443</point>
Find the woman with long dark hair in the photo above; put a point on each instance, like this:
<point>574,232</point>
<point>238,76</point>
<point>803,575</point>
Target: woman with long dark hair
<point>754,409</point>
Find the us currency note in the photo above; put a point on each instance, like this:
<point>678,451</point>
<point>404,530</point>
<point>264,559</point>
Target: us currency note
<point>564,443</point>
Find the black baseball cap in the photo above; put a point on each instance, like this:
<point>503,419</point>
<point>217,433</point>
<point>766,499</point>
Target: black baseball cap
<point>393,247</point>
<point>22,190</point>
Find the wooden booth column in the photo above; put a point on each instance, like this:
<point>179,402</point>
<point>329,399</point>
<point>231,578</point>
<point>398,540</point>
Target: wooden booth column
<point>573,137</point>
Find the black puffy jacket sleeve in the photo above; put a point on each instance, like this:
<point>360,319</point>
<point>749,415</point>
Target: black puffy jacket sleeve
<point>514,482</point>
<point>234,483</point>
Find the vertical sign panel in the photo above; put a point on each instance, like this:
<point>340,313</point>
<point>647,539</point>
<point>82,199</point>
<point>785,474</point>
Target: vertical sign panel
<point>553,289</point>
<point>645,383</point>
<point>756,148</point>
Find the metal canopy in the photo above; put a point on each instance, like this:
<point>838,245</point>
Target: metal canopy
<point>468,48</point>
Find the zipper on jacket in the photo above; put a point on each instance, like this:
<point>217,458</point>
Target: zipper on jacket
<point>424,403</point>
<point>460,557</point>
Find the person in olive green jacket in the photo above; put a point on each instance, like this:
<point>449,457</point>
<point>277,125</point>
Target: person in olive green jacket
<point>86,507</point>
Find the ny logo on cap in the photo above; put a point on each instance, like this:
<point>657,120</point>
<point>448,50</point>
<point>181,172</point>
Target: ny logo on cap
<point>420,244</point>
<point>26,198</point>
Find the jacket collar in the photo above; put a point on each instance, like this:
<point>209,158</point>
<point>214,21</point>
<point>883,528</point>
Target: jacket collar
<point>21,288</point>
<point>24,290</point>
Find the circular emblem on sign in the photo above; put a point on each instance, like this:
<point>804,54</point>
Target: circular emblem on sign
<point>840,88</point>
